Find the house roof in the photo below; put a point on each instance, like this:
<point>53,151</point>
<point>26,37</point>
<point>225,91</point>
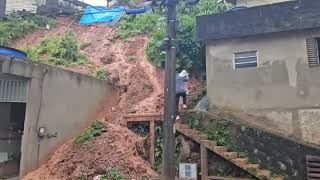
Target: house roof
<point>232,1</point>
<point>271,18</point>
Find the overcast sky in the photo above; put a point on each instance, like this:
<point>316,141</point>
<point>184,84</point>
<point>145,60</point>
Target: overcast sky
<point>96,2</point>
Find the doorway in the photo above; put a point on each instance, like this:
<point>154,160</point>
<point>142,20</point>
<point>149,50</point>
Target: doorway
<point>12,117</point>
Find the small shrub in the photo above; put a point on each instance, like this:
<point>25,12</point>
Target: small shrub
<point>112,174</point>
<point>85,45</point>
<point>159,149</point>
<point>100,73</point>
<point>154,48</point>
<point>132,58</point>
<point>81,178</point>
<point>96,129</point>
<point>17,26</point>
<point>57,51</point>
<point>137,24</point>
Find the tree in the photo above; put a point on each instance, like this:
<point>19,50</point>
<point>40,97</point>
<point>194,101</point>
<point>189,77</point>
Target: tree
<point>190,52</point>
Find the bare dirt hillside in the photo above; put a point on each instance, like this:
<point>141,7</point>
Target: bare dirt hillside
<point>141,89</point>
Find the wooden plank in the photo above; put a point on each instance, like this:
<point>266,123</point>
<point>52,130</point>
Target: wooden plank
<point>152,143</point>
<point>142,115</point>
<point>139,119</point>
<point>204,162</point>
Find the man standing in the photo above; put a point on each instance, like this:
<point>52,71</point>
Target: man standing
<point>181,89</point>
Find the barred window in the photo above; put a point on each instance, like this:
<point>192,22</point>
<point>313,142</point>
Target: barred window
<point>313,52</point>
<point>245,59</point>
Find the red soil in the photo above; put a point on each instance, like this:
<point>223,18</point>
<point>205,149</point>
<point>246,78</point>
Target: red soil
<point>141,91</point>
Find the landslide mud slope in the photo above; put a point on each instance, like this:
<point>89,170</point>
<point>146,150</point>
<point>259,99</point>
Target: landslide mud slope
<point>141,89</point>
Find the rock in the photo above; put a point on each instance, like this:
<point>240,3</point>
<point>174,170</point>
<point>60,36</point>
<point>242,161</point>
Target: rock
<point>97,177</point>
<point>113,109</point>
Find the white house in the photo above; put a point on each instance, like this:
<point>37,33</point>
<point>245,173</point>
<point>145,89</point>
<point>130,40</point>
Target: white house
<point>9,6</point>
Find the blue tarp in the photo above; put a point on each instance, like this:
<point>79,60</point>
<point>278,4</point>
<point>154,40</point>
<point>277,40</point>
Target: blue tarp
<point>101,14</point>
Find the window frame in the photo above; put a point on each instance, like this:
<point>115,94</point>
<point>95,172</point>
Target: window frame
<point>317,48</point>
<point>242,52</point>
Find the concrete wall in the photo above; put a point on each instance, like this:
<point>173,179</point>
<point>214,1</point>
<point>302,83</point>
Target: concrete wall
<point>18,5</point>
<point>279,155</point>
<point>251,3</point>
<point>282,87</point>
<point>62,101</point>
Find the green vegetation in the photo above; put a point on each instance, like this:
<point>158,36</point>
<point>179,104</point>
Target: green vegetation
<point>82,178</point>
<point>57,51</point>
<point>159,149</point>
<point>190,52</point>
<point>137,24</point>
<point>17,26</point>
<point>132,58</point>
<point>100,73</point>
<point>112,174</point>
<point>155,51</point>
<point>218,129</point>
<point>96,129</point>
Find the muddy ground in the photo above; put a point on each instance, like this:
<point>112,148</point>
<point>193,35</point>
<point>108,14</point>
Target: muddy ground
<point>141,89</point>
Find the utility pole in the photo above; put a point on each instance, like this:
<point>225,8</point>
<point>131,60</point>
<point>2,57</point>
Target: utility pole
<point>168,159</point>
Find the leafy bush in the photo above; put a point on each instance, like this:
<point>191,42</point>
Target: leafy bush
<point>137,24</point>
<point>190,52</point>
<point>132,58</point>
<point>100,73</point>
<point>159,149</point>
<point>17,27</point>
<point>56,50</point>
<point>154,51</point>
<point>96,129</point>
<point>112,174</point>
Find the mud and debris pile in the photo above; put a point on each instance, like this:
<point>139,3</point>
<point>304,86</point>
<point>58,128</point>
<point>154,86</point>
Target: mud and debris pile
<point>140,84</point>
<point>113,149</point>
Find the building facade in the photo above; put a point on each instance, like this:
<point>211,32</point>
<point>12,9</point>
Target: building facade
<point>42,107</point>
<point>10,6</point>
<point>53,7</point>
<point>264,60</point>
<point>251,3</point>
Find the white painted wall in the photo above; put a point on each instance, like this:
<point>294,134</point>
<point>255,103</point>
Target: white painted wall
<point>251,3</point>
<point>18,5</point>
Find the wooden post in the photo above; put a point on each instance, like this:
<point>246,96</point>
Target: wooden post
<point>152,142</point>
<point>204,162</point>
<point>168,160</point>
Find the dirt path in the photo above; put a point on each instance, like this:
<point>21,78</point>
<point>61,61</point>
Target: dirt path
<point>141,86</point>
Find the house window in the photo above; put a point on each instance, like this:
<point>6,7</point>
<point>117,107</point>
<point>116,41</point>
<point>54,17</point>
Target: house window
<point>313,49</point>
<point>245,59</point>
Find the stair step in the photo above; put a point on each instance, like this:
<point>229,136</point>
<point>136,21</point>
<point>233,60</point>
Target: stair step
<point>223,151</point>
<point>184,126</point>
<point>220,149</point>
<point>264,174</point>
<point>203,136</point>
<point>252,167</point>
<point>241,161</point>
<point>230,155</point>
<point>209,143</point>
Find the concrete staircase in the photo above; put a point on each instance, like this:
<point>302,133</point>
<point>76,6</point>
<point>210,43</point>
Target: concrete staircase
<point>233,157</point>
